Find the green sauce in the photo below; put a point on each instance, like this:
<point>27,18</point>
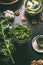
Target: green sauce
<point>40,42</point>
<point>21,32</point>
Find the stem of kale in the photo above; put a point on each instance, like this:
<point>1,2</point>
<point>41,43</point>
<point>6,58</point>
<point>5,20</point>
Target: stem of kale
<point>7,46</point>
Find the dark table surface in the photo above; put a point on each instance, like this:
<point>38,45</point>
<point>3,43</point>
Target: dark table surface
<point>25,54</point>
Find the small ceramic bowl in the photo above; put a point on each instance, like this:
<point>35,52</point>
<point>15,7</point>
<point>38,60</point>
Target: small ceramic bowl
<point>36,46</point>
<point>13,2</point>
<point>33,12</point>
<point>21,42</point>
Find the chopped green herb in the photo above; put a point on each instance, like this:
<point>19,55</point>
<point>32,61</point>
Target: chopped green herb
<point>21,32</point>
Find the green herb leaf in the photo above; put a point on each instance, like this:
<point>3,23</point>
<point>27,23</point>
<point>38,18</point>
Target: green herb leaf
<point>6,47</point>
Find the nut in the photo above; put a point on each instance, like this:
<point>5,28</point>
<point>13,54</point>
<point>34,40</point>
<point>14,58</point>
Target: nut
<point>34,22</point>
<point>37,62</point>
<point>17,13</point>
<point>41,18</point>
<point>34,61</point>
<point>23,19</point>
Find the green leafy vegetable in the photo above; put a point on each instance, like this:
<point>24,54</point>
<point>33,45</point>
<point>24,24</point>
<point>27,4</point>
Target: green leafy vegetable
<point>6,48</point>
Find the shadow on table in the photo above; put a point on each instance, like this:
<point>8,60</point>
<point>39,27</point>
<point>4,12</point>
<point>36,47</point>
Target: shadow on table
<point>30,18</point>
<point>12,6</point>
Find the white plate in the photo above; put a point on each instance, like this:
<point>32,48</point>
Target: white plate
<point>35,45</point>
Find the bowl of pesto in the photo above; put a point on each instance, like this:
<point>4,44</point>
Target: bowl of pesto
<point>21,34</point>
<point>33,7</point>
<point>40,41</point>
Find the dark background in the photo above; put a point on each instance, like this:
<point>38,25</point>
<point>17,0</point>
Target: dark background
<point>25,54</point>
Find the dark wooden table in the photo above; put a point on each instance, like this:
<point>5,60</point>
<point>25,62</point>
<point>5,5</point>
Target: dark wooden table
<point>25,54</point>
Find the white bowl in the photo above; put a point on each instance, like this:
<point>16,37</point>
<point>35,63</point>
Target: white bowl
<point>33,12</point>
<point>35,45</point>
